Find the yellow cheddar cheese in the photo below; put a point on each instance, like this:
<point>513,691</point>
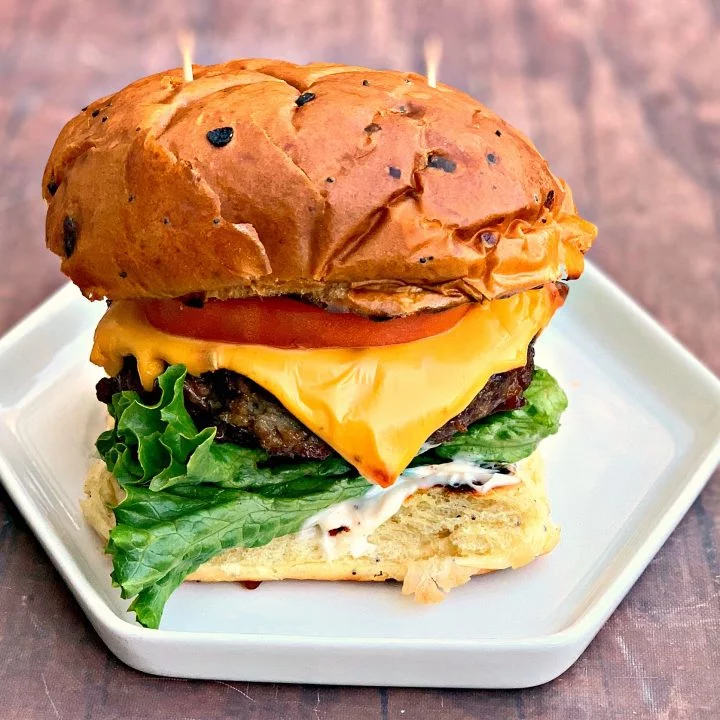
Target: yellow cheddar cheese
<point>375,406</point>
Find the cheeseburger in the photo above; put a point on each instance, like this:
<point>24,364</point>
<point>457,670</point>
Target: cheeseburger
<point>324,285</point>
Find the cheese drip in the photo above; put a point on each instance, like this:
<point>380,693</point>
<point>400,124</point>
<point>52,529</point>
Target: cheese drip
<point>374,406</point>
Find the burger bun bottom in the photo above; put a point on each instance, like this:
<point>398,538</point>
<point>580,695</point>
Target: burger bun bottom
<point>438,540</point>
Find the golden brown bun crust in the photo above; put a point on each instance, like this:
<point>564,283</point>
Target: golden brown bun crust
<point>437,541</point>
<point>380,193</point>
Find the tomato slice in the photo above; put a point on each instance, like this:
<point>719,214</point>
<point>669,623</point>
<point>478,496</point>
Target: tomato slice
<point>282,322</point>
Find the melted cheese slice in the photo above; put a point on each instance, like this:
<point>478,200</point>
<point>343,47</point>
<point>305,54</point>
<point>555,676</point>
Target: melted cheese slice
<point>375,406</point>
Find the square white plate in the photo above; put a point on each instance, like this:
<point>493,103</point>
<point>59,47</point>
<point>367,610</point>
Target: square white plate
<point>638,442</point>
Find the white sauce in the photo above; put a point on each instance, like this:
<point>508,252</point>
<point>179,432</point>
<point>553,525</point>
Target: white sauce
<point>362,516</point>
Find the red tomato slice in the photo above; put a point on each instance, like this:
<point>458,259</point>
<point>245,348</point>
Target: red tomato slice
<point>282,322</point>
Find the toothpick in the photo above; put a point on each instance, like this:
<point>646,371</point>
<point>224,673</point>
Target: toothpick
<point>186,43</point>
<point>433,54</point>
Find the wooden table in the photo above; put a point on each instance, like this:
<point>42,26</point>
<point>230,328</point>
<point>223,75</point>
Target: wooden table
<point>623,97</point>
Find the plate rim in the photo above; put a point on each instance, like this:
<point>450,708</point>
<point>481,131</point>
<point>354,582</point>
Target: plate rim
<point>580,629</point>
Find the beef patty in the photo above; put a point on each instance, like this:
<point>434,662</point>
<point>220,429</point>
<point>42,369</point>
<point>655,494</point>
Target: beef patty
<point>246,414</point>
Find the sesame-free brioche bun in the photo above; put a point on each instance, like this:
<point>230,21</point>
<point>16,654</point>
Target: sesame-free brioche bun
<point>366,190</point>
<point>438,540</point>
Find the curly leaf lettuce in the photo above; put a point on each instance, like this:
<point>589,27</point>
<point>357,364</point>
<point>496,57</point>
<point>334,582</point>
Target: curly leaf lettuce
<point>508,437</point>
<point>162,537</point>
<point>189,498</point>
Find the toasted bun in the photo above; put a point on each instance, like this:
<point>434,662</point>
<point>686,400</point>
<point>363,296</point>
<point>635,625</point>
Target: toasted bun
<point>374,192</point>
<point>437,541</point>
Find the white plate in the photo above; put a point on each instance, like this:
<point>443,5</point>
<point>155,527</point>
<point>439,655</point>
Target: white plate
<point>638,442</point>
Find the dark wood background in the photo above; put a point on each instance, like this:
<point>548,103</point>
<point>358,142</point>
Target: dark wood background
<point>622,96</point>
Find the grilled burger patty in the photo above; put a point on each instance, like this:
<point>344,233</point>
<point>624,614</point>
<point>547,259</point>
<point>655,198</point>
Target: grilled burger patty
<point>246,414</point>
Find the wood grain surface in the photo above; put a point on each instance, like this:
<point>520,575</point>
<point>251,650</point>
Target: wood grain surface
<point>622,96</point>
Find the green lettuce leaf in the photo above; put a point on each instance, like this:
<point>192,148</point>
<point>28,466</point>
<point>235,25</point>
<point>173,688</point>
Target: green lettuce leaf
<point>189,498</point>
<point>163,536</point>
<point>510,436</point>
<point>158,445</point>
